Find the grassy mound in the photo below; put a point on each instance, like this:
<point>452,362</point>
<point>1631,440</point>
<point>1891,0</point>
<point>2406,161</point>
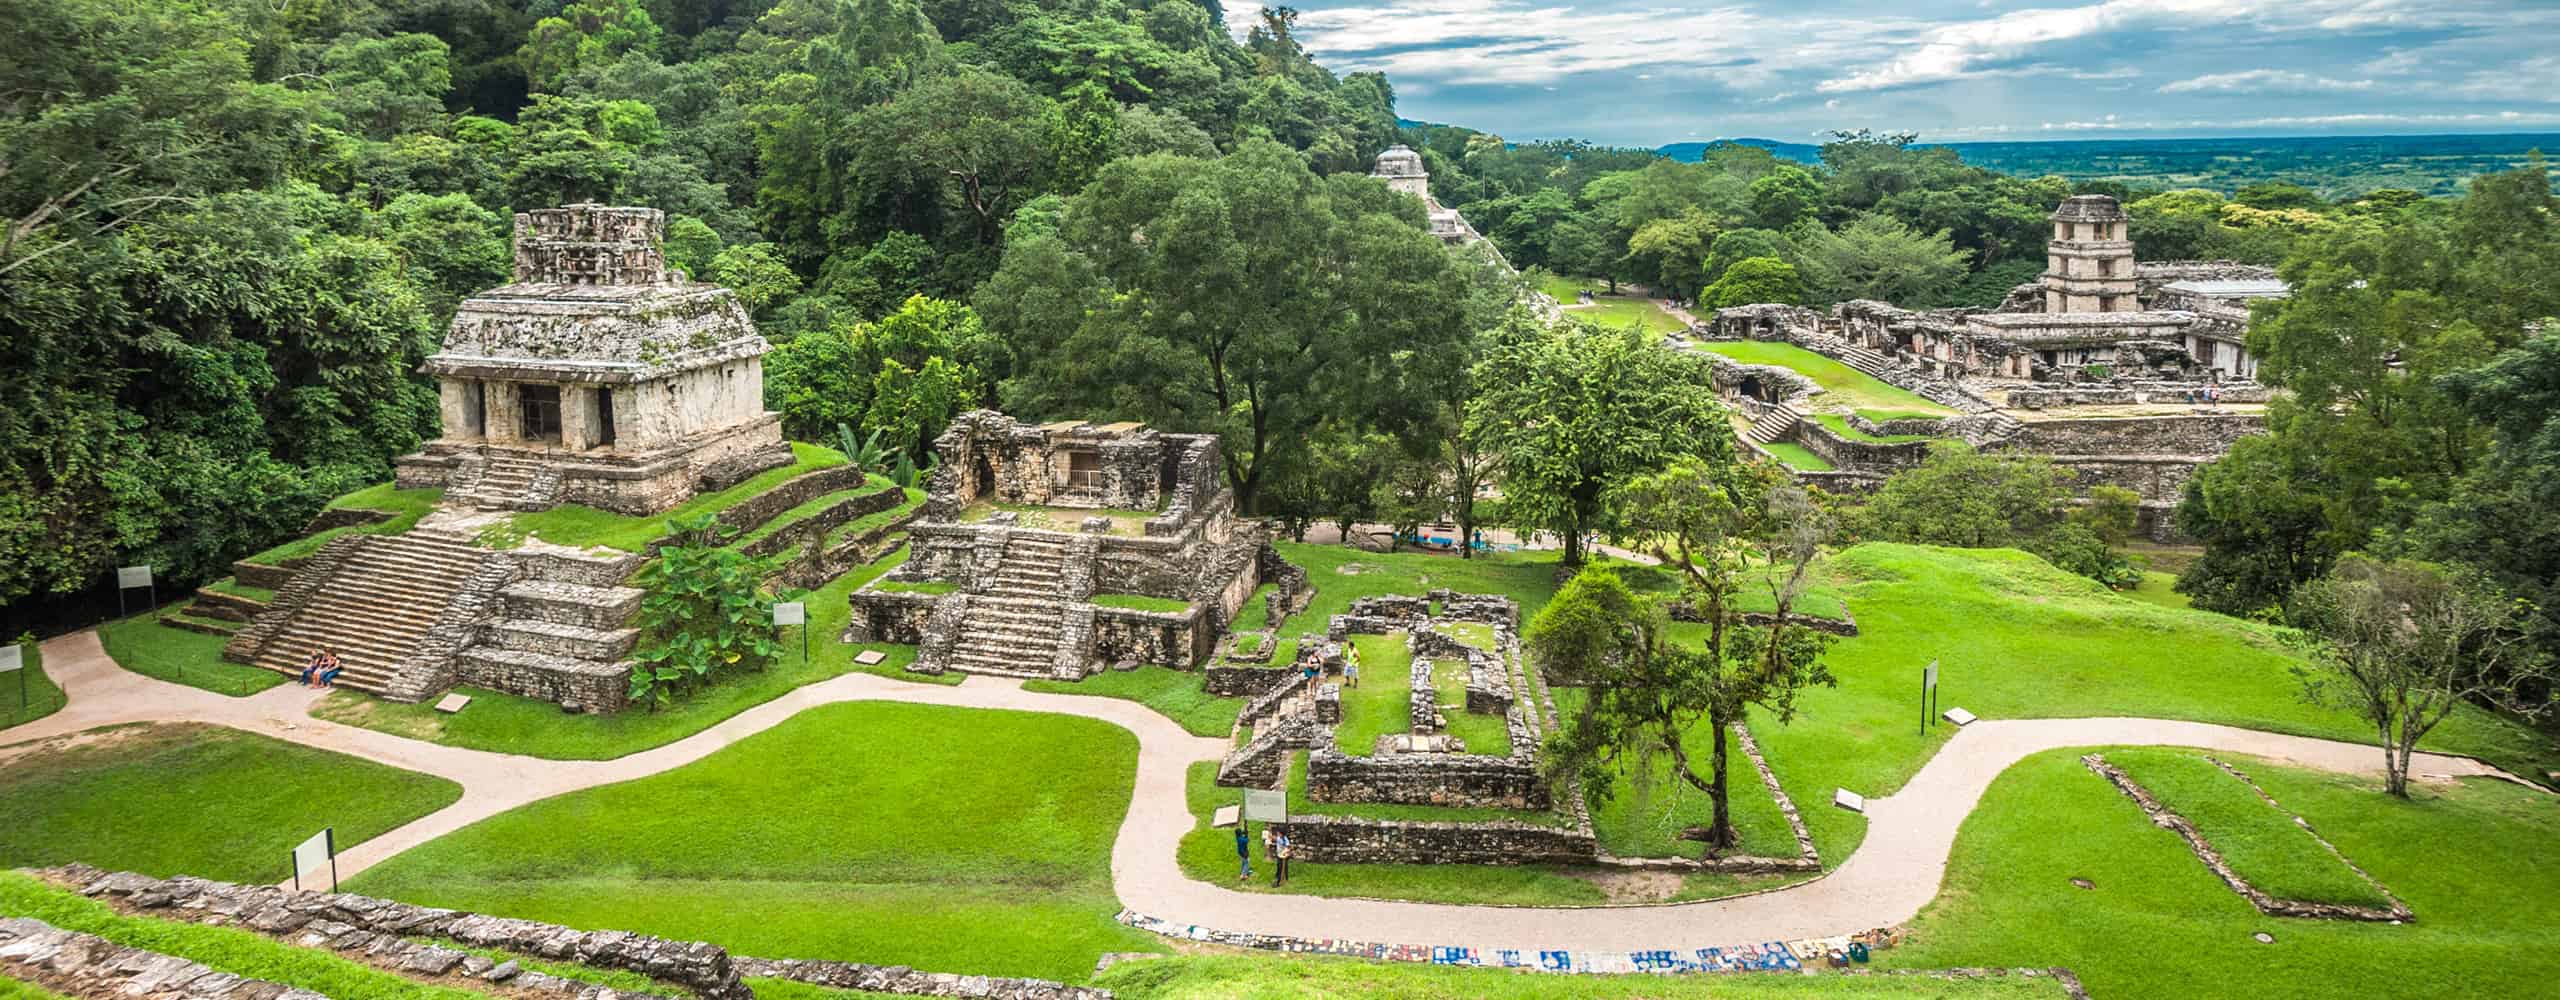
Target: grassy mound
<point>142,645</point>
<point>2261,843</point>
<point>1841,384</point>
<point>196,800</point>
<point>946,839</point>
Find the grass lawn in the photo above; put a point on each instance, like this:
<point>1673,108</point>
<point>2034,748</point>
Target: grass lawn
<point>1382,704</point>
<point>142,645</point>
<point>235,950</point>
<point>227,585</point>
<point>1844,385</point>
<point>582,526</point>
<point>1176,694</point>
<point>1141,602</point>
<point>948,839</point>
<point>1480,734</point>
<point>1255,615</point>
<point>2159,588</point>
<point>1218,977</point>
<point>1798,456</point>
<point>197,800</point>
<point>872,483</point>
<point>39,697</point>
<point>866,523</point>
<point>515,724</point>
<point>1840,425</point>
<point>2261,842</point>
<point>11,989</point>
<point>1621,312</point>
<point>405,507</point>
<point>2472,860</point>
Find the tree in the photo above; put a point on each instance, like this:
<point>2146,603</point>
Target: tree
<point>1877,257</point>
<point>1754,280</point>
<point>705,613</point>
<point>1242,295</point>
<point>2403,645</point>
<point>1785,196</point>
<point>1726,527</point>
<point>1966,498</point>
<point>587,33</point>
<point>979,135</point>
<point>1577,412</point>
<point>756,272</point>
<point>1736,245</point>
<point>1670,252</point>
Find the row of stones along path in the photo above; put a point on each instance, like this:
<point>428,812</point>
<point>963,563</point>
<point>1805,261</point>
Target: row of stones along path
<point>1885,882</point>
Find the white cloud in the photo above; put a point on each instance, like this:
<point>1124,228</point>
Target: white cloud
<point>2264,81</point>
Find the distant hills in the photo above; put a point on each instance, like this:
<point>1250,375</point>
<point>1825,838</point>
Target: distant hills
<point>2336,166</point>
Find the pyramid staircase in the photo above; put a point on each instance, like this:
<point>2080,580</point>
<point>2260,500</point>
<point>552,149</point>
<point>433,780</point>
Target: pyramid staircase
<point>372,608</point>
<point>1773,424</point>
<point>1865,360</point>
<point>1025,619</point>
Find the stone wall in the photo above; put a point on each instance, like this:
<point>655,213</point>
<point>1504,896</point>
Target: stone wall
<point>574,685</point>
<point>1849,453</point>
<point>2193,435</point>
<point>1351,840</point>
<point>799,533</point>
<point>1441,779</point>
<point>1178,640</point>
<point>889,616</point>
<point>2045,397</point>
<point>86,965</point>
<point>899,980</point>
<point>1242,682</point>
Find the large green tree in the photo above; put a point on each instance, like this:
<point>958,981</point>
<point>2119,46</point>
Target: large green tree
<point>1242,295</point>
<point>1578,411</point>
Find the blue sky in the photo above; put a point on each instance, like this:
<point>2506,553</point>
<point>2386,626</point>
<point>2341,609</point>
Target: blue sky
<point>1649,72</point>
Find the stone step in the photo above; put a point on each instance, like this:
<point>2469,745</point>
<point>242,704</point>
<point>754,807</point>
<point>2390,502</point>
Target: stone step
<point>603,608</point>
<point>535,636</point>
<point>491,656</point>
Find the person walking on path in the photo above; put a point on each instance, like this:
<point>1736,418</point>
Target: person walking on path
<point>1244,853</point>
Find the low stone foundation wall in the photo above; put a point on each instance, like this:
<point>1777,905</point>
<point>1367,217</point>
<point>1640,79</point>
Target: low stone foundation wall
<point>85,965</point>
<point>902,981</point>
<point>264,576</point>
<point>2043,397</point>
<point>818,524</point>
<point>765,506</point>
<point>591,686</point>
<point>1179,641</point>
<point>2161,816</point>
<point>1350,840</point>
<point>1440,779</point>
<point>889,616</point>
<point>1242,682</point>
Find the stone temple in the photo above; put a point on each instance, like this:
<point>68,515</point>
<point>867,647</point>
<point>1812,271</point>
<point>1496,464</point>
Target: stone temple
<point>598,376</point>
<point>2129,373</point>
<point>1056,550</point>
<point>1400,169</point>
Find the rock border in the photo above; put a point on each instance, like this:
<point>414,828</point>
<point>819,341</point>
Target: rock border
<point>2163,817</point>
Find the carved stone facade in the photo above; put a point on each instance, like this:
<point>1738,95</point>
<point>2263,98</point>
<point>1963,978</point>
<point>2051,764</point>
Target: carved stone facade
<point>598,376</point>
<point>1022,582</point>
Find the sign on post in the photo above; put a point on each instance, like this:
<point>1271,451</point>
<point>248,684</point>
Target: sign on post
<point>1266,806</point>
<point>1928,694</point>
<point>794,613</point>
<point>134,578</point>
<point>311,855</point>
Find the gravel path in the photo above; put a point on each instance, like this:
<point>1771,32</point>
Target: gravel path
<point>1886,881</point>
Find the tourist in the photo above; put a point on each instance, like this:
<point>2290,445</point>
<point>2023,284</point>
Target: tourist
<point>1244,852</point>
<point>1350,666</point>
<point>1280,861</point>
<point>1270,846</point>
<point>329,670</point>
<point>319,658</point>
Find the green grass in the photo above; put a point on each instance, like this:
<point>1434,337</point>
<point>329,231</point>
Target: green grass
<point>947,839</point>
<point>1619,313</point>
<point>581,526</point>
<point>1255,615</point>
<point>1300,977</point>
<point>866,523</point>
<point>2261,842</point>
<point>872,483</point>
<point>1476,634</point>
<point>1798,456</point>
<point>234,950</point>
<point>1843,385</point>
<point>197,800</point>
<point>227,585</point>
<point>2159,588</point>
<point>1141,602</point>
<point>405,507</point>
<point>1643,818</point>
<point>1840,425</point>
<point>1381,705</point>
<point>1176,694</point>
<point>1489,735</point>
<point>38,697</point>
<point>916,586</point>
<point>142,645</point>
<point>2472,860</point>
<point>11,989</point>
<point>1880,416</point>
<point>514,724</point>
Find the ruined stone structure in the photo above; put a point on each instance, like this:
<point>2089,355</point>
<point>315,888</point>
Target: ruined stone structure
<point>598,376</point>
<point>1018,585</point>
<point>2098,328</point>
<point>1400,168</point>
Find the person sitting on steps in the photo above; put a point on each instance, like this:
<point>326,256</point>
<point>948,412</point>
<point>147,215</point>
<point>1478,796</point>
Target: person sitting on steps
<point>319,659</point>
<point>329,671</point>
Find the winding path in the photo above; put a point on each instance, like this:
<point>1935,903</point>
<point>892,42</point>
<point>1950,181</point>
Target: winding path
<point>1885,881</point>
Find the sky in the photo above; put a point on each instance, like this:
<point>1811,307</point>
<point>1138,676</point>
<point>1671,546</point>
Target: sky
<point>1651,72</point>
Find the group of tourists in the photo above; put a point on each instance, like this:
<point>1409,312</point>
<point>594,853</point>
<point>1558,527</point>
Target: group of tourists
<point>1275,848</point>
<point>322,671</point>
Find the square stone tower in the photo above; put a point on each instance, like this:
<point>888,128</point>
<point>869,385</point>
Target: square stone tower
<point>2089,264</point>
<point>598,376</point>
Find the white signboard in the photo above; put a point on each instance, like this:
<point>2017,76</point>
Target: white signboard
<point>313,854</point>
<point>1930,680</point>
<point>1959,716</point>
<point>12,658</point>
<point>1849,800</point>
<point>133,577</point>
<point>790,613</point>
<point>1263,806</point>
